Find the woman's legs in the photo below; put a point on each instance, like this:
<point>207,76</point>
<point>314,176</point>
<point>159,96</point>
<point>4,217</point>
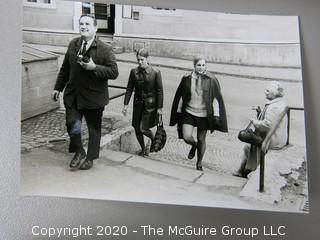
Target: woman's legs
<point>187,131</point>
<point>148,133</point>
<point>201,147</point>
<point>140,139</point>
<point>140,132</point>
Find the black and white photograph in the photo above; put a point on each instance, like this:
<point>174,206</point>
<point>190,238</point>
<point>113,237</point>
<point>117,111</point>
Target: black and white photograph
<point>162,105</point>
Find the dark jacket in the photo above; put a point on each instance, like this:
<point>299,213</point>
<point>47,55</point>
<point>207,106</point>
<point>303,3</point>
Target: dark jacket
<point>211,91</point>
<point>89,88</point>
<point>148,96</point>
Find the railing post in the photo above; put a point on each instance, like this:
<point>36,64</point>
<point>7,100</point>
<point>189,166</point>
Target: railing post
<point>260,155</point>
<point>262,150</point>
<point>288,127</point>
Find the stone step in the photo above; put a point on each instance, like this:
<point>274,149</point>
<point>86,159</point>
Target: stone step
<point>213,180</point>
<point>279,164</point>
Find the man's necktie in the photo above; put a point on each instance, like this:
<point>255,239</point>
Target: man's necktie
<point>84,49</point>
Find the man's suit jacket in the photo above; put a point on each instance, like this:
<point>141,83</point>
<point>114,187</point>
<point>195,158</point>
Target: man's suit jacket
<point>89,88</point>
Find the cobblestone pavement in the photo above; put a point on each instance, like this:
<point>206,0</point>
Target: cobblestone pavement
<point>49,128</point>
<point>223,153</point>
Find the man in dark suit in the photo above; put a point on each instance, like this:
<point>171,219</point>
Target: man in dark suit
<point>84,74</point>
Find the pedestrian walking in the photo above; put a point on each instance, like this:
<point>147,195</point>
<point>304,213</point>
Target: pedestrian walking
<point>84,74</point>
<point>146,82</point>
<point>266,119</point>
<point>198,103</point>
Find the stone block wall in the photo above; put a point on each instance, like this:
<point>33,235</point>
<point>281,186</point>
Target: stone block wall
<point>38,79</point>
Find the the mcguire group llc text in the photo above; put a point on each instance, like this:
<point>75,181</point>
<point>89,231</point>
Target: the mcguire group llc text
<point>149,230</point>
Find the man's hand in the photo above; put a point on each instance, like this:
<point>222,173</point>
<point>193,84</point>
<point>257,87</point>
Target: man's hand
<point>55,95</point>
<point>160,111</point>
<point>89,65</point>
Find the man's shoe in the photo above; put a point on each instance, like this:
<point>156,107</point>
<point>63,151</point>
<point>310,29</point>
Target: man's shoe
<point>238,174</point>
<point>86,165</point>
<point>75,162</point>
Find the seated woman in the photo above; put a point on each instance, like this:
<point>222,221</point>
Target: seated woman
<point>148,98</point>
<point>202,107</point>
<point>265,120</point>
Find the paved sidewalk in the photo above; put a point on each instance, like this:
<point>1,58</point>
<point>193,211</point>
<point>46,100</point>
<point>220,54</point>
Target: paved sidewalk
<point>222,154</point>
<point>240,71</point>
<point>127,177</point>
<point>168,174</point>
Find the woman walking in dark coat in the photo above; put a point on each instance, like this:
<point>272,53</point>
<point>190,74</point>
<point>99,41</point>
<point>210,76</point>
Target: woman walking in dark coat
<point>148,98</point>
<point>201,105</point>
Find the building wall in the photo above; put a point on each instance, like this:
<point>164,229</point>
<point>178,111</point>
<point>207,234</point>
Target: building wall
<point>270,55</point>
<point>212,26</point>
<point>226,38</point>
<point>219,37</point>
<point>60,17</point>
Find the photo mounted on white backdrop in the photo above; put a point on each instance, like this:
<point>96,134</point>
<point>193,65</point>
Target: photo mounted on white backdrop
<point>162,105</point>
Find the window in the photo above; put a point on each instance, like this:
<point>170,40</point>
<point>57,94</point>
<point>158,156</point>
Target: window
<point>167,9</point>
<point>40,3</point>
<point>159,11</point>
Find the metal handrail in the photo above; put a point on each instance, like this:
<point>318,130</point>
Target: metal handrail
<point>118,95</point>
<point>267,139</point>
<point>116,86</point>
<point>262,150</point>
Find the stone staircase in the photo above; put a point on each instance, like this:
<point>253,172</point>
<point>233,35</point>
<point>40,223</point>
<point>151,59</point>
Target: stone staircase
<point>221,159</point>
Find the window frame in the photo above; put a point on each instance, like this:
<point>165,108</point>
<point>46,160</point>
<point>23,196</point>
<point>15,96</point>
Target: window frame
<point>51,5</point>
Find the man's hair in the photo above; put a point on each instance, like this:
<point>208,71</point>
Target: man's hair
<point>95,23</point>
<point>279,91</point>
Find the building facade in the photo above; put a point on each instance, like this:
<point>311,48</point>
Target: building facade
<point>219,37</point>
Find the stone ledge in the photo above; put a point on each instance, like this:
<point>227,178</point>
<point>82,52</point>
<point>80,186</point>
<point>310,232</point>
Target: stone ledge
<point>286,164</point>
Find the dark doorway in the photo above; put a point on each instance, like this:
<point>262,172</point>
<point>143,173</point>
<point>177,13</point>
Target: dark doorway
<point>104,13</point>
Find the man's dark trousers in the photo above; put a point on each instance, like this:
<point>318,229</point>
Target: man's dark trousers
<point>93,118</point>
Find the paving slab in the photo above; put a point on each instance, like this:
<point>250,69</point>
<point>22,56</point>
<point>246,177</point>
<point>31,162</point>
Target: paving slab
<point>49,176</point>
<point>166,169</point>
<point>114,155</point>
<point>252,72</point>
<point>216,179</point>
<point>278,164</point>
<point>236,70</point>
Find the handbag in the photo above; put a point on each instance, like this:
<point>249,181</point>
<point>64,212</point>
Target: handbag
<point>160,137</point>
<point>249,136</point>
<point>150,103</point>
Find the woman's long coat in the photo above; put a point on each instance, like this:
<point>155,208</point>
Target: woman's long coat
<point>266,120</point>
<point>148,97</point>
<point>211,92</point>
